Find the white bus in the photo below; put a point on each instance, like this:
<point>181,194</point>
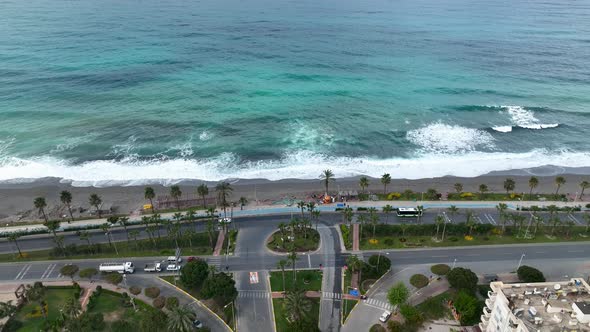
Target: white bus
<point>409,212</point>
<point>126,267</point>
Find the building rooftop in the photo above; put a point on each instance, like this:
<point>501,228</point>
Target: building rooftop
<point>547,306</point>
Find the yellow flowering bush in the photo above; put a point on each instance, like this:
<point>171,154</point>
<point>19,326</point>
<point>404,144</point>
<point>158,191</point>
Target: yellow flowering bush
<point>373,241</point>
<point>496,231</point>
<point>468,237</point>
<point>393,196</point>
<point>467,195</point>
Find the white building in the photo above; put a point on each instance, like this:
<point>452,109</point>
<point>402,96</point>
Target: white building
<point>547,306</point>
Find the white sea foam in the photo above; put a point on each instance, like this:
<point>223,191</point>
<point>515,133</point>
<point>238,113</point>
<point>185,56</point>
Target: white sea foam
<point>205,136</point>
<point>524,118</point>
<point>298,165</point>
<point>503,129</point>
<point>443,138</point>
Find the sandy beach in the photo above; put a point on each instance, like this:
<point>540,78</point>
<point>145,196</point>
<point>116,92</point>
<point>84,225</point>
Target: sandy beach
<point>16,200</point>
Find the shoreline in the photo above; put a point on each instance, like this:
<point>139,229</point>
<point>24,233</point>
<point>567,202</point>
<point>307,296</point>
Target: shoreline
<point>17,198</point>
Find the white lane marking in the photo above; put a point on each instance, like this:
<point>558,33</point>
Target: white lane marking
<point>20,272</point>
<point>23,272</point>
<point>46,272</point>
<point>575,251</point>
<point>439,256</point>
<point>309,260</point>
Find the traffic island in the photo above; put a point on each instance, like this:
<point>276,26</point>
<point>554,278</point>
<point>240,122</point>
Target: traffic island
<point>286,314</point>
<point>307,280</point>
<point>301,239</point>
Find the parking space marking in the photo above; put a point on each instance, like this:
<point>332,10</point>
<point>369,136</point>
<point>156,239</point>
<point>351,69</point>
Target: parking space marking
<point>23,272</point>
<point>572,218</point>
<point>48,271</point>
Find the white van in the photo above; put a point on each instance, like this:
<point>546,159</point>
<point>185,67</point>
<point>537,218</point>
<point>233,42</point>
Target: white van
<point>174,259</point>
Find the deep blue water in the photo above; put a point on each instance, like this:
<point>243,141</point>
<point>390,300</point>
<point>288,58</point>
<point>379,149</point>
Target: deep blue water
<point>116,91</point>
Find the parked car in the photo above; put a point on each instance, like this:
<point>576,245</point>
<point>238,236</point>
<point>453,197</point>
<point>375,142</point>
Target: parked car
<point>385,316</point>
<point>173,267</point>
<point>225,220</point>
<point>197,323</point>
<point>174,259</point>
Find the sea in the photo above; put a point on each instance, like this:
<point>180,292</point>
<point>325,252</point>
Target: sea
<point>126,92</point>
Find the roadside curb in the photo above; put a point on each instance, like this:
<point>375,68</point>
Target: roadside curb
<point>197,301</point>
<point>272,305</point>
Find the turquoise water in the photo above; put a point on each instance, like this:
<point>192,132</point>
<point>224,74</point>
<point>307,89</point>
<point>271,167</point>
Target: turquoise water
<point>110,92</point>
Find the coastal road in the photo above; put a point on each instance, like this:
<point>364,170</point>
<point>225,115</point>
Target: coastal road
<point>331,301</point>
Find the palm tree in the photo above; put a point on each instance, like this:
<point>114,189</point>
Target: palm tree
<point>190,215</point>
<point>482,190</point>
<point>96,201</point>
<point>373,218</point>
<point>203,191</point>
<point>385,180</point>
<point>458,187</point>
<point>66,199</point>
<point>297,306</point>
<point>7,309</point>
<point>587,218</point>
<point>354,264</point>
<point>281,265</point>
<point>180,319</point>
<point>243,201</point>
<point>316,215</point>
<point>40,204</point>
<point>387,209</point>
<point>440,220</point>
<point>501,207</point>
<point>36,293</point>
<point>538,221</point>
<point>559,181</point>
<point>327,176</point>
<point>71,308</point>
<point>556,221</point>
<point>176,193</point>
<point>52,226</point>
<point>362,219</point>
<point>13,237</point>
<point>189,234</point>
<point>363,183</point>
<point>347,214</point>
<point>584,185</point>
<point>301,205</point>
<point>134,234</point>
<point>509,185</point>
<point>293,258</point>
<point>533,183</point>
<point>224,191</point>
<point>310,208</point>
<point>124,221</point>
<point>470,222</point>
<point>106,229</point>
<point>453,210</point>
<point>210,227</point>
<point>150,194</point>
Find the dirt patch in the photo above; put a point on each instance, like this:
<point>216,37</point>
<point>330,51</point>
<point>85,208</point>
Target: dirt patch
<point>113,316</point>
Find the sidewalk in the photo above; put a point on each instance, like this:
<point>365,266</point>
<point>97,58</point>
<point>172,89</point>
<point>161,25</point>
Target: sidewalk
<point>355,237</point>
<point>219,243</point>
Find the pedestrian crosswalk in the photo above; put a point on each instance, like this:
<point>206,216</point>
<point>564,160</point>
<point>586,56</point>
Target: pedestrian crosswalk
<point>215,261</point>
<point>378,304</point>
<point>30,271</point>
<point>331,295</point>
<point>254,294</point>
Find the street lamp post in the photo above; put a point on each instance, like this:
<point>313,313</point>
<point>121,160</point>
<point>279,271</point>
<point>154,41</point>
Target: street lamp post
<point>520,261</point>
<point>232,312</point>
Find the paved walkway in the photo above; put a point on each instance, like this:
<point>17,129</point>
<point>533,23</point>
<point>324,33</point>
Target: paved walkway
<point>355,237</point>
<point>219,243</point>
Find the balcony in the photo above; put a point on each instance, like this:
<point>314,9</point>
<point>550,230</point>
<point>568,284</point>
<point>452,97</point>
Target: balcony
<point>489,304</point>
<point>487,312</point>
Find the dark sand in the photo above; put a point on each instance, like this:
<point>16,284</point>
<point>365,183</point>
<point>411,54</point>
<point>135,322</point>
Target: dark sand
<point>16,199</point>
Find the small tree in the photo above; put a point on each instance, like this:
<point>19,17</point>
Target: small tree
<point>41,204</point>
<point>529,274</point>
<point>96,201</point>
<point>509,185</point>
<point>150,194</point>
<point>467,305</point>
<point>385,180</point>
<point>13,237</point>
<point>559,181</point>
<point>398,294</point>
<point>203,191</point>
<point>176,193</point>
<point>194,273</point>
<point>69,270</point>
<point>482,190</point>
<point>461,278</point>
<point>458,187</point>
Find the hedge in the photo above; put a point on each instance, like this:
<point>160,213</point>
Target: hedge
<point>419,280</point>
<point>159,302</point>
<point>152,292</point>
<point>440,269</point>
<point>134,290</point>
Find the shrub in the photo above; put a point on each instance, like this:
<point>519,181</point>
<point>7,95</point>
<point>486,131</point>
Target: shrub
<point>99,289</point>
<point>588,206</point>
<point>394,196</point>
<point>468,306</point>
<point>152,292</point>
<point>395,326</point>
<point>466,195</point>
<point>412,315</point>
<point>361,208</point>
<point>113,278</point>
<point>419,280</point>
<point>194,273</point>
<point>159,302</point>
<point>530,274</point>
<point>453,239</point>
<point>398,294</point>
<point>377,328</point>
<point>134,290</point>
<point>171,303</point>
<point>388,241</point>
<point>440,269</point>
<point>12,325</point>
<point>122,326</point>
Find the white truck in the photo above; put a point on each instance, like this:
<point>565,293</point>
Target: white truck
<point>153,267</point>
<point>126,267</point>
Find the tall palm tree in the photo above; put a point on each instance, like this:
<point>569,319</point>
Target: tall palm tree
<point>297,306</point>
<point>243,201</point>
<point>36,293</point>
<point>281,265</point>
<point>555,221</point>
<point>316,215</point>
<point>224,191</point>
<point>354,264</point>
<point>85,236</point>
<point>470,222</point>
<point>52,226</point>
<point>41,204</point>
<point>482,190</point>
<point>293,258</point>
<point>362,219</point>
<point>107,230</point>
<point>327,176</point>
<point>301,205</point>
<point>559,181</point>
<point>584,185</point>
<point>66,199</point>
<point>587,218</point>
<point>310,208</point>
<point>439,220</point>
<point>134,233</point>
<point>363,183</point>
<point>385,180</point>
<point>373,218</point>
<point>190,215</point>
<point>501,207</point>
<point>180,319</point>
<point>458,187</point>
<point>71,308</point>
<point>509,185</point>
<point>533,183</point>
<point>13,237</point>
<point>387,209</point>
<point>453,210</point>
<point>347,214</point>
<point>96,201</point>
<point>203,191</point>
<point>175,193</point>
<point>210,227</point>
<point>150,194</point>
<point>538,221</point>
<point>124,221</point>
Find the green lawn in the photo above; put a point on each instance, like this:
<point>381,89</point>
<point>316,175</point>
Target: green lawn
<point>304,241</point>
<point>387,242</point>
<point>106,303</point>
<point>435,307</point>
<point>310,280</point>
<point>347,306</point>
<point>283,325</point>
<point>55,298</point>
<point>231,236</point>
